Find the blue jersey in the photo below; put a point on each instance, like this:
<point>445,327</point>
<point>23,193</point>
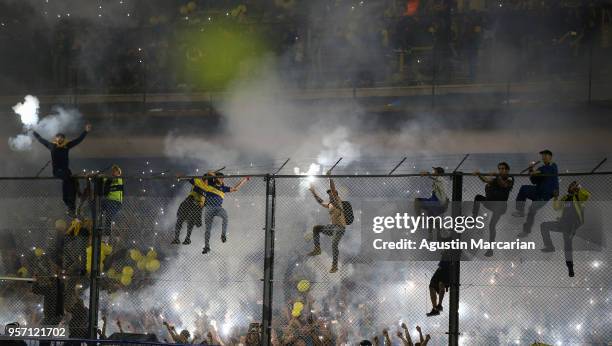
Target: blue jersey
<point>215,195</point>
<point>548,181</point>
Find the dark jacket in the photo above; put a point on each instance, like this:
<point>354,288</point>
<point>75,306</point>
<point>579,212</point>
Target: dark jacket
<point>59,154</point>
<point>547,182</point>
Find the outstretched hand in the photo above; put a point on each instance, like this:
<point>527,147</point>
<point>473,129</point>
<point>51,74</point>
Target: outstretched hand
<point>87,127</point>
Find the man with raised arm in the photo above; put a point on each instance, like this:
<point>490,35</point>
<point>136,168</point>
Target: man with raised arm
<point>335,228</point>
<point>407,340</point>
<point>60,161</point>
<point>545,182</point>
<point>215,194</point>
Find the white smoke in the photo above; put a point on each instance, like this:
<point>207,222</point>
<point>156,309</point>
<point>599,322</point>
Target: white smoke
<point>337,144</point>
<point>60,120</point>
<point>20,142</point>
<point>264,119</point>
<point>28,111</point>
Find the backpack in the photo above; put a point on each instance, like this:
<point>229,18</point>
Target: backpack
<point>347,210</point>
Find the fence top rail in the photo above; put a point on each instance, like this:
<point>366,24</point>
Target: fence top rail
<point>302,176</point>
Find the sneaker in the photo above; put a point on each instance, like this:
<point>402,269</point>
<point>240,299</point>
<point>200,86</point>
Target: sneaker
<point>333,269</point>
<point>439,308</point>
<point>570,272</point>
<point>176,241</point>
<point>433,312</point>
<point>518,213</point>
<point>315,252</point>
<point>548,249</point>
<point>522,235</point>
<point>206,250</point>
<point>223,238</point>
<point>489,253</point>
<point>187,241</point>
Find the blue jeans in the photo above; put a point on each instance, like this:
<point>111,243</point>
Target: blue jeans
<point>209,214</point>
<point>538,200</point>
<point>430,206</point>
<point>110,210</point>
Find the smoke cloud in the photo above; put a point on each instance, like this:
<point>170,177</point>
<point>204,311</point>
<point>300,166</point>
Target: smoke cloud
<point>60,120</point>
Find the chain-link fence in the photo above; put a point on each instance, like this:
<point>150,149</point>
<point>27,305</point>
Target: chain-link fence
<point>145,280</point>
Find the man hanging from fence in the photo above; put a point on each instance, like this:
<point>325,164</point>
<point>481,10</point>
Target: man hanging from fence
<point>113,198</point>
<point>215,194</point>
<point>546,185</point>
<point>572,217</point>
<point>438,285</point>
<point>497,190</point>
<point>60,149</point>
<point>340,214</point>
<point>190,210</point>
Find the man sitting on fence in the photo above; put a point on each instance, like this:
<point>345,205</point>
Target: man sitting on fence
<point>335,229</point>
<point>495,199</point>
<point>437,203</point>
<point>546,185</point>
<point>572,217</point>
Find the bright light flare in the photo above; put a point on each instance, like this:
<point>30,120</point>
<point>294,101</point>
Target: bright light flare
<point>28,111</point>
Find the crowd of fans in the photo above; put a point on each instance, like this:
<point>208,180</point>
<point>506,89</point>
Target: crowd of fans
<point>337,43</point>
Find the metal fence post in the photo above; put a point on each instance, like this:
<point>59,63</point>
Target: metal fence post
<point>455,279</point>
<point>94,289</point>
<point>269,260</point>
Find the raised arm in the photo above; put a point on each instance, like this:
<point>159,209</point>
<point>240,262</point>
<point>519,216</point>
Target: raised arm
<point>405,342</point>
<point>332,186</point>
<point>316,196</point>
<point>73,143</point>
<point>334,201</point>
<point>119,326</point>
<point>408,340</point>
<point>387,338</point>
<point>421,340</point>
<point>42,141</point>
<point>171,331</point>
<point>102,332</point>
<point>240,184</point>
